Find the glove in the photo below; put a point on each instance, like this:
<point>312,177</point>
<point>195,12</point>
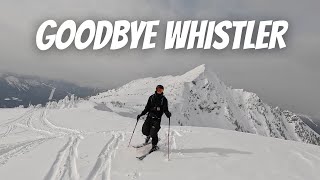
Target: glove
<point>168,114</point>
<point>138,117</point>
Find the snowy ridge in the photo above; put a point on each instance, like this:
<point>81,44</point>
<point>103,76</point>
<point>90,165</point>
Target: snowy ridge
<point>199,98</point>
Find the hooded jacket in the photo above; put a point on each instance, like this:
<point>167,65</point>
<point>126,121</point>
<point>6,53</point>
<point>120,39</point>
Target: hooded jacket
<point>157,105</point>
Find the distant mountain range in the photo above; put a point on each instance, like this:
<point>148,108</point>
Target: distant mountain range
<point>17,90</point>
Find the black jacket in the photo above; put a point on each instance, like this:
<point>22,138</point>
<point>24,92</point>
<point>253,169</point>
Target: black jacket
<point>156,106</point>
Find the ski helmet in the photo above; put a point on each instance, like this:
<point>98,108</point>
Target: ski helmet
<point>159,87</point>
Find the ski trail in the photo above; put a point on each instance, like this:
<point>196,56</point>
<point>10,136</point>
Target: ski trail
<point>302,157</point>
<point>26,121</point>
<point>103,164</point>
<point>58,129</point>
<point>20,117</point>
<point>36,120</point>
<point>65,165</point>
<point>10,128</point>
<point>312,155</point>
<point>72,160</point>
<point>174,133</point>
<point>47,124</point>
<point>57,167</point>
<point>173,144</point>
<point>9,151</point>
<point>29,124</point>
<point>172,141</point>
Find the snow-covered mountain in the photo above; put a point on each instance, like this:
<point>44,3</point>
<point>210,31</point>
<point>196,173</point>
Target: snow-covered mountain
<point>199,98</point>
<point>16,90</point>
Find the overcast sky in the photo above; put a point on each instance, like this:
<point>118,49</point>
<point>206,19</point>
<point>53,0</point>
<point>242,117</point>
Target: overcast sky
<point>288,78</point>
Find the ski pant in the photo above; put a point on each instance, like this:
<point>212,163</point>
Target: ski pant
<point>151,127</point>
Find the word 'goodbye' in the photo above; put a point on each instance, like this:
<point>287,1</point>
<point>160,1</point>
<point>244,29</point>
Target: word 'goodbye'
<point>178,35</point>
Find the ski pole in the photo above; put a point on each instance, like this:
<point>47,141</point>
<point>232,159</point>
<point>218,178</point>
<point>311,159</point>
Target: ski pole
<point>169,140</point>
<point>133,133</point>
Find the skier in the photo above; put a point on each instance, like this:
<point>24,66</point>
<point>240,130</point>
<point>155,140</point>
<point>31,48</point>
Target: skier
<point>156,106</point>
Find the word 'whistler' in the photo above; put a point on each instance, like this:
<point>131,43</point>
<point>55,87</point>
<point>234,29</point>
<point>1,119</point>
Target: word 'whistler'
<point>179,34</point>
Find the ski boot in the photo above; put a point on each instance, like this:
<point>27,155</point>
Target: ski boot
<point>154,148</point>
<point>147,140</point>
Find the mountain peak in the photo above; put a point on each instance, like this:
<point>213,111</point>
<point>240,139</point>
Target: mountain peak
<point>199,98</point>
<point>194,73</point>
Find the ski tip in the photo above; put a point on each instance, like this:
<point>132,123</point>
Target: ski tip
<point>140,158</point>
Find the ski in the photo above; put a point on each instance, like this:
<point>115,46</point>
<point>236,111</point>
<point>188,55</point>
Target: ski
<point>141,145</point>
<point>145,155</point>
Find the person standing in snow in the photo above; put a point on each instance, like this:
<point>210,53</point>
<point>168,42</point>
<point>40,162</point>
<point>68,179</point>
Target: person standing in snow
<point>157,105</point>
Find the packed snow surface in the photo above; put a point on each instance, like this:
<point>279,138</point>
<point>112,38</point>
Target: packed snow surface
<point>75,140</point>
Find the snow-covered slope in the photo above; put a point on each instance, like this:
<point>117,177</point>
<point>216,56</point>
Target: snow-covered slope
<point>21,86</point>
<point>74,140</point>
<point>199,98</point>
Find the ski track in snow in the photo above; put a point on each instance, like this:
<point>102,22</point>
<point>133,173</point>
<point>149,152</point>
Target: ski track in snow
<point>19,118</point>
<point>24,121</point>
<point>44,126</point>
<point>57,129</point>
<point>65,164</point>
<point>29,123</point>
<point>35,120</point>
<point>304,158</point>
<point>9,151</point>
<point>103,164</point>
<point>10,128</point>
<point>173,133</point>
